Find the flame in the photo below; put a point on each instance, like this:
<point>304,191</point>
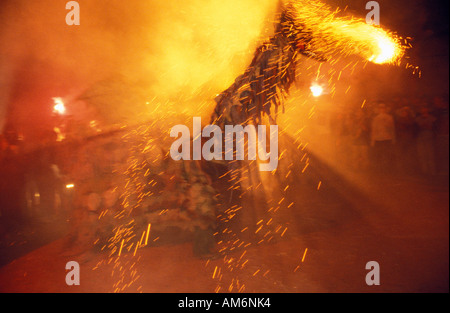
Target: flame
<point>388,51</point>
<point>316,90</point>
<point>59,106</point>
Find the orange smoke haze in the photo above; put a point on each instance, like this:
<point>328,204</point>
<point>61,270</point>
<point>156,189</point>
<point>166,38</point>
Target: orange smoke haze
<point>161,48</point>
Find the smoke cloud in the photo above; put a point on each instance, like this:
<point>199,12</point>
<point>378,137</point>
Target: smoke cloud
<point>162,48</point>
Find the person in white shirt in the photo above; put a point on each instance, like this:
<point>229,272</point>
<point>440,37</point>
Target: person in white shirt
<point>383,139</point>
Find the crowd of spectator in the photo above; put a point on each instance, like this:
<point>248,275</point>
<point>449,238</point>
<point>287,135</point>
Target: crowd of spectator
<point>399,136</point>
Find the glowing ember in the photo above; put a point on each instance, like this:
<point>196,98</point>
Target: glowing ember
<point>316,90</point>
<point>59,106</point>
<point>305,28</point>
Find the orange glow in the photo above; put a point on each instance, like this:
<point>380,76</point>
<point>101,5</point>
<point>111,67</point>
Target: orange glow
<point>316,90</point>
<point>59,106</point>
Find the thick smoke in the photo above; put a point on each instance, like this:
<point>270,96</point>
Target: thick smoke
<point>162,48</point>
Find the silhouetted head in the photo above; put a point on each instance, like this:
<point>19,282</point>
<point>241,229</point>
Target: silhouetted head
<point>382,108</point>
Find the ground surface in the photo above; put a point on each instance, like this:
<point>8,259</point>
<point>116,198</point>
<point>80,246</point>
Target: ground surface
<point>402,223</point>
